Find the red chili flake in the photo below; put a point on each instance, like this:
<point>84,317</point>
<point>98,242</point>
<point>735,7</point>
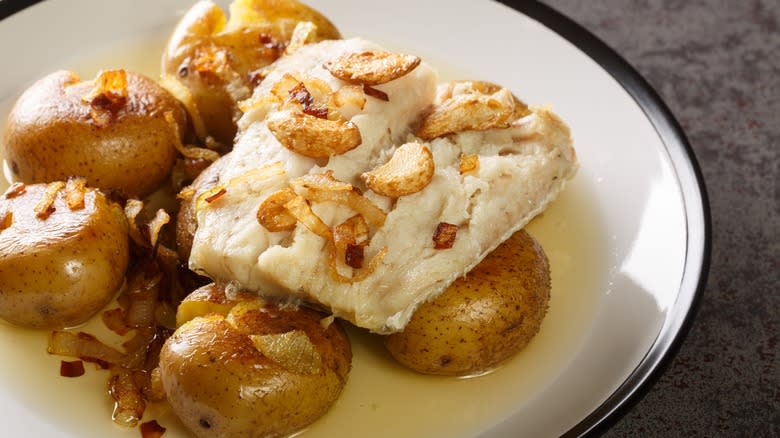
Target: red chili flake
<point>301,94</point>
<point>373,92</point>
<point>216,196</point>
<point>272,44</point>
<point>320,112</point>
<point>15,190</point>
<point>444,236</point>
<point>71,369</point>
<point>256,76</point>
<point>152,429</point>
<point>354,255</point>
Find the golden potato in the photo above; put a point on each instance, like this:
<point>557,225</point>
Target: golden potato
<point>481,319</point>
<point>206,300</point>
<point>186,223</point>
<point>260,371</point>
<point>61,127</point>
<point>59,270</point>
<point>217,60</point>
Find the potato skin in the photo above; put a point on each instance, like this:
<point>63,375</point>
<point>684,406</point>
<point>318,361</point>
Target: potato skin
<point>186,223</point>
<point>213,57</point>
<point>220,385</point>
<point>482,318</point>
<point>51,135</point>
<point>60,271</point>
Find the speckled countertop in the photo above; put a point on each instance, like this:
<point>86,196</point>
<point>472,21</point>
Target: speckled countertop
<point>716,63</point>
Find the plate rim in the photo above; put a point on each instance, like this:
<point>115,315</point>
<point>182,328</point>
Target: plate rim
<point>669,340</point>
<point>678,321</point>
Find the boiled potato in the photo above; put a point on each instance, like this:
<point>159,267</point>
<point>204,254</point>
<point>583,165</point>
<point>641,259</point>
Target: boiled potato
<point>258,371</point>
<point>482,318</point>
<point>186,223</point>
<point>208,299</point>
<point>59,270</point>
<point>61,127</point>
<point>214,58</point>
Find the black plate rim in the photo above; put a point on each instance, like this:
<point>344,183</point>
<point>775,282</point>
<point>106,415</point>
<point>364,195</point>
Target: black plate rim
<point>639,383</point>
<point>667,344</point>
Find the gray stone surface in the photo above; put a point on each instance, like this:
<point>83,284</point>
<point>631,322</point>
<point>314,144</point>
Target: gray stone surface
<point>716,63</point>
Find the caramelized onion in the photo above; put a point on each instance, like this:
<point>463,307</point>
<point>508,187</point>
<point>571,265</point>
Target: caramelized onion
<point>46,205</point>
<point>15,190</point>
<point>6,219</point>
<point>75,189</point>
<point>83,346</point>
<point>130,403</point>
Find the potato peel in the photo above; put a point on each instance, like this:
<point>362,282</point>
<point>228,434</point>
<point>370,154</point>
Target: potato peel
<point>408,171</point>
<point>292,350</point>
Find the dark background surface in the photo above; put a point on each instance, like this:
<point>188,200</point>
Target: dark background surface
<point>716,63</point>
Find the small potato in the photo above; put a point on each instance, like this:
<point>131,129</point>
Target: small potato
<point>59,270</point>
<point>206,300</point>
<point>481,319</point>
<point>186,223</point>
<point>218,60</point>
<point>259,371</point>
<point>58,129</point>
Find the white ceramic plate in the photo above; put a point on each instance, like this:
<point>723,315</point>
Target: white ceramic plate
<point>628,240</point>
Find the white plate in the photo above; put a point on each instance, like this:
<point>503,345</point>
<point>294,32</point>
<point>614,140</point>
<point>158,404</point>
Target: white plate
<point>628,240</point>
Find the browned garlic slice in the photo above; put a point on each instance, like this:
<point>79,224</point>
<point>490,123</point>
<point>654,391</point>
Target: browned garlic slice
<point>469,111</point>
<point>312,136</point>
<point>371,67</point>
<point>409,170</point>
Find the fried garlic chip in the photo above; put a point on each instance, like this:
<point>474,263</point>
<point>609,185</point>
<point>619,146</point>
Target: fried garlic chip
<point>481,87</point>
<point>409,170</point>
<point>371,68</point>
<point>471,111</point>
<point>312,136</point>
<point>304,33</point>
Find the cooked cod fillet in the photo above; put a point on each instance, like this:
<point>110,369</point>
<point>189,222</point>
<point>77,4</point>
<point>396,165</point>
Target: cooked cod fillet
<point>521,169</point>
